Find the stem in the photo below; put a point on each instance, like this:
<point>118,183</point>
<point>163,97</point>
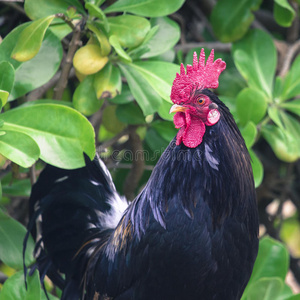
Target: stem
<point>67,64</point>
<point>292,50</point>
<point>218,46</point>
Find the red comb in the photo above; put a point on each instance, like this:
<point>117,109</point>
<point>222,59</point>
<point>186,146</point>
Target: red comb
<point>197,76</point>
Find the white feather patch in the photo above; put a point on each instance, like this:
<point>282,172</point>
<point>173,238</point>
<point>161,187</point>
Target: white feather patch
<point>112,218</point>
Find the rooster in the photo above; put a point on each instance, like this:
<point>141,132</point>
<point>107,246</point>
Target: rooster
<point>192,232</point>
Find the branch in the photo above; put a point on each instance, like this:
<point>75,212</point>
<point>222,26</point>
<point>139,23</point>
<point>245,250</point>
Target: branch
<point>295,267</point>
<point>138,164</point>
<point>179,19</point>
<point>68,62</point>
<point>292,50</point>
<point>3,278</point>
<point>96,120</point>
<point>208,6</point>
<point>112,141</point>
<point>293,31</point>
<point>32,174</point>
<point>218,46</point>
<point>127,166</point>
<point>15,6</point>
<point>66,19</point>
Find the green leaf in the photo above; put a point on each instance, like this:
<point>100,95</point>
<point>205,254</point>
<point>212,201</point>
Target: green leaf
<point>265,289</point>
<point>295,297</point>
<point>130,30</point>
<point>62,139</point>
<point>3,98</point>
<point>11,243</point>
<point>251,105</point>
<point>130,114</point>
<point>278,89</point>
<point>114,41</point>
<point>284,13</point>
<point>231,19</point>
<point>257,167</point>
<point>104,134</point>
<point>143,47</point>
<point>165,38</point>
<point>292,125</point>
<point>284,145</point>
<point>256,59</point>
<point>110,120</point>
<point>160,75</point>
<point>16,187</point>
<point>231,83</point>
<point>230,102</point>
<point>102,38</point>
<point>60,29</point>
<point>289,234</point>
<point>124,98</point>
<point>19,148</point>
<point>155,141</point>
<point>285,293</point>
<point>249,133</point>
<point>291,82</point>
<point>165,129</point>
<point>8,44</point>
<point>272,260</point>
<point>108,82</point>
<point>147,98</point>
<point>164,110</point>
<point>30,39</point>
<point>147,8</point>
<point>292,106</point>
<point>36,9</point>
<point>84,98</point>
<point>7,77</point>
<point>14,288</point>
<point>97,12</point>
<point>37,71</point>
<point>274,114</point>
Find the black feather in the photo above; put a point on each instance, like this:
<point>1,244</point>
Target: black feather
<point>190,234</point>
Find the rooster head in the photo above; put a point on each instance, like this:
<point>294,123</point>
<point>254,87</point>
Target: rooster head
<point>194,110</point>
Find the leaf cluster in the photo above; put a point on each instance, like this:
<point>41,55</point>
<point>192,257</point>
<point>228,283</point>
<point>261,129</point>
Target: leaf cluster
<point>111,64</point>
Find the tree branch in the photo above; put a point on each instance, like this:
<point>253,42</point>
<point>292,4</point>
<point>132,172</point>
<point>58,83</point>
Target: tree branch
<point>68,62</point>
<point>112,141</point>
<point>15,6</point>
<point>3,277</point>
<point>293,31</point>
<point>218,46</point>
<point>127,166</point>
<point>292,51</point>
<point>203,15</point>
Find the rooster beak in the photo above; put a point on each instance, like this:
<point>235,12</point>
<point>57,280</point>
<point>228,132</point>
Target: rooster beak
<point>178,108</point>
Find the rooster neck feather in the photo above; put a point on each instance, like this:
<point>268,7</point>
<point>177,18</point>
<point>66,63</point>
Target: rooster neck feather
<point>218,172</point>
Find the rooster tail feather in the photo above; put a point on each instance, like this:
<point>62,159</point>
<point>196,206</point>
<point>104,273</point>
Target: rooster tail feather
<point>75,211</point>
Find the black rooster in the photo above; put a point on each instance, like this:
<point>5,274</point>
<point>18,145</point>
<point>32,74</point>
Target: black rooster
<point>190,234</point>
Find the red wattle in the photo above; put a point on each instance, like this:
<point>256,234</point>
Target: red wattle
<point>193,134</point>
<point>179,120</point>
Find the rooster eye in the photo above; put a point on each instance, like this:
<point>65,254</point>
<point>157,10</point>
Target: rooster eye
<point>201,101</point>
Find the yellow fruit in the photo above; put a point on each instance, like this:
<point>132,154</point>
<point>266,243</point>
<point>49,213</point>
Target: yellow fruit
<point>88,60</point>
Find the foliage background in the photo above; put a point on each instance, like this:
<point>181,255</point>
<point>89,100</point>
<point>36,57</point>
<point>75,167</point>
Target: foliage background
<point>75,70</point>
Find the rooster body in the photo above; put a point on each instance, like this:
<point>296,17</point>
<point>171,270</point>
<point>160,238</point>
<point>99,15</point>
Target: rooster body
<point>190,234</point>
